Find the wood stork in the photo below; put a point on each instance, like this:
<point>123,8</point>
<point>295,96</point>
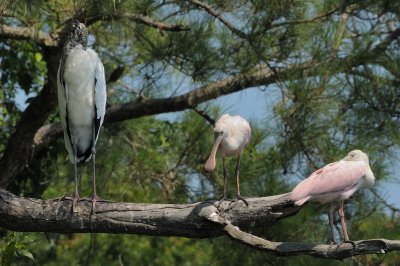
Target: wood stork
<point>82,100</point>
<point>334,183</point>
<point>231,133</point>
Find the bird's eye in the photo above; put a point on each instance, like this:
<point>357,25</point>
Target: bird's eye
<point>217,133</point>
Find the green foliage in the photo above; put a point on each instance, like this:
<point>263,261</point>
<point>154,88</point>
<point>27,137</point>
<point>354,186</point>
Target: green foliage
<point>345,97</point>
<point>15,246</point>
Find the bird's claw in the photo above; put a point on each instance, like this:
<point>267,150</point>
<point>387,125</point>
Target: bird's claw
<point>348,241</point>
<point>75,199</point>
<point>218,203</point>
<point>331,245</point>
<point>94,200</point>
<point>63,198</point>
<point>238,197</point>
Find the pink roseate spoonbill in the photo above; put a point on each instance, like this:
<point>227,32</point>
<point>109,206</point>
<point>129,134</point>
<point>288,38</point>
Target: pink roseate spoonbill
<point>334,183</point>
<point>231,134</point>
<point>82,99</point>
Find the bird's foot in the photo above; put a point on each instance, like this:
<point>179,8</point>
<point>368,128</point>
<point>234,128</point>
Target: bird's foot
<point>348,241</point>
<point>63,198</point>
<point>94,200</point>
<point>218,203</point>
<point>238,197</point>
<point>333,242</point>
<point>75,199</point>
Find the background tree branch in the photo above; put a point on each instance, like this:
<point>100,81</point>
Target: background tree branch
<point>27,33</point>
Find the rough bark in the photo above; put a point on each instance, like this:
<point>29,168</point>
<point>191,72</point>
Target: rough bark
<point>196,220</point>
<point>36,215</point>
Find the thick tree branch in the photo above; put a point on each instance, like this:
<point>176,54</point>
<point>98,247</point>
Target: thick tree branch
<point>35,215</point>
<point>196,220</point>
<point>27,33</point>
<point>257,77</point>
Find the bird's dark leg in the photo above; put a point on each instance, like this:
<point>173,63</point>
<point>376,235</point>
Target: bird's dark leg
<point>94,197</point>
<point>224,173</point>
<point>330,215</point>
<point>76,195</point>
<point>342,220</point>
<point>237,172</point>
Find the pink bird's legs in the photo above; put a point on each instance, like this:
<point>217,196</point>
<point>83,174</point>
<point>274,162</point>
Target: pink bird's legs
<point>237,172</point>
<point>341,213</point>
<point>330,215</point>
<point>224,172</point>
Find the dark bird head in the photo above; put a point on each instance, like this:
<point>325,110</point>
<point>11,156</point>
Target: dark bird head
<point>75,34</point>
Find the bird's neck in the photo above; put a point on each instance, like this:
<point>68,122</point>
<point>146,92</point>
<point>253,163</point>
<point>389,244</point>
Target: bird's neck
<point>72,43</point>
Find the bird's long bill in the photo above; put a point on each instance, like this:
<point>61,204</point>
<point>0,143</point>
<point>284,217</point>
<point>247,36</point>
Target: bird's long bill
<point>210,164</point>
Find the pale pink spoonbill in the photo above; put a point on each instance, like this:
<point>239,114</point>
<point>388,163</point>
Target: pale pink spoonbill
<point>334,183</point>
<point>231,133</point>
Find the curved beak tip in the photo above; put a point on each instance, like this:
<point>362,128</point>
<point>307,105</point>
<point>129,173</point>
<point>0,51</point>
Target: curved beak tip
<point>208,168</point>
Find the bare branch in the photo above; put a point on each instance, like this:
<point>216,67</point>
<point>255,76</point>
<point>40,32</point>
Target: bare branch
<point>35,215</point>
<point>203,114</point>
<point>140,19</point>
<point>196,220</point>
<point>341,251</point>
<point>156,24</point>
<point>218,16</point>
<point>27,33</point>
<point>304,21</point>
<point>256,77</point>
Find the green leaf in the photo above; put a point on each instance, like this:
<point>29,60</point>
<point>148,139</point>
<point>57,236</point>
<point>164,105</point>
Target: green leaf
<point>38,57</point>
<point>25,253</point>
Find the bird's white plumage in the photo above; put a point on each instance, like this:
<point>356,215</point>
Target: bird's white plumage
<point>233,135</point>
<point>236,132</point>
<point>83,95</point>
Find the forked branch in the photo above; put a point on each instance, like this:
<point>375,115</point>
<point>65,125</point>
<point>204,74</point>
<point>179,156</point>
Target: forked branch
<point>196,220</point>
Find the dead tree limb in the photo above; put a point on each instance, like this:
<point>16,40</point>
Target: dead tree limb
<point>196,220</point>
<point>36,215</point>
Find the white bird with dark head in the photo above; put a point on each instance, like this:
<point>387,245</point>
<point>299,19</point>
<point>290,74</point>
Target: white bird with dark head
<point>232,133</point>
<point>335,183</point>
<point>82,99</point>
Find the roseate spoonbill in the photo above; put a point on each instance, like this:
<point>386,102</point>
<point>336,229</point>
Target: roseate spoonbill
<point>334,183</point>
<point>82,99</point>
<point>231,133</point>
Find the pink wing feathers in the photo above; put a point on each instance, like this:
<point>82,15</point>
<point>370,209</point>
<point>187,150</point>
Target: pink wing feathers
<point>334,177</point>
